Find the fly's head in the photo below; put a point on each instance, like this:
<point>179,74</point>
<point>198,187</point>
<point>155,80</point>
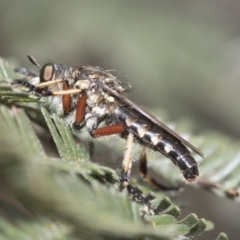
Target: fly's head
<point>59,84</point>
<point>52,71</point>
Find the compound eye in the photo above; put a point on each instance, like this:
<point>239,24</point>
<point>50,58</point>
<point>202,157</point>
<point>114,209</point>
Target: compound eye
<point>47,72</point>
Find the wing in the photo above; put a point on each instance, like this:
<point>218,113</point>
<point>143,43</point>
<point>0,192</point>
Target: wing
<point>151,118</point>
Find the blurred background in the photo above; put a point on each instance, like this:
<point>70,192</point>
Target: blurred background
<point>180,56</point>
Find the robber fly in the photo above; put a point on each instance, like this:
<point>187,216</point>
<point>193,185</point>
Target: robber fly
<point>87,96</point>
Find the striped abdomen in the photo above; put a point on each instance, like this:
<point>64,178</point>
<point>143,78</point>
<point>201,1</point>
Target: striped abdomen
<point>158,139</point>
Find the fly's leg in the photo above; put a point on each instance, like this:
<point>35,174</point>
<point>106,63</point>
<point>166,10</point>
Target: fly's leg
<point>42,91</point>
<point>127,161</point>
<point>50,83</point>
<point>80,109</point>
<point>31,88</point>
<point>108,130</point>
<point>125,175</point>
<point>79,117</point>
<point>66,99</point>
<point>143,170</point>
<point>103,131</point>
<point>63,92</point>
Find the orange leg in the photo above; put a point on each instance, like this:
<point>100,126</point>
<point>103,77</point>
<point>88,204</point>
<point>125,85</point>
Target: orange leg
<point>80,110</point>
<point>66,99</point>
<point>109,130</point>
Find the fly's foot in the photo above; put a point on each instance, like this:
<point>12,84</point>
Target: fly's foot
<point>135,194</point>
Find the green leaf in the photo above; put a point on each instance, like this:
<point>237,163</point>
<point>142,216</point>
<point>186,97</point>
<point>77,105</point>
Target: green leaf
<point>39,228</point>
<point>198,228</point>
<point>222,236</point>
<point>63,138</point>
<point>162,205</point>
<point>20,127</point>
<point>164,219</point>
